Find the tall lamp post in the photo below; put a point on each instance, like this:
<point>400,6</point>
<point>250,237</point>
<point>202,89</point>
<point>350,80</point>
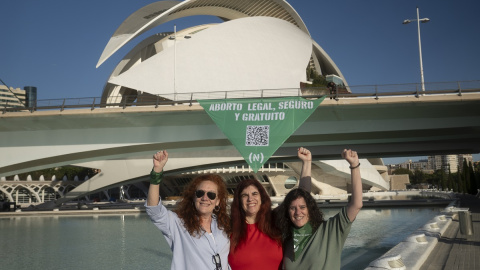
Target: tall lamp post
<point>174,38</point>
<point>424,20</point>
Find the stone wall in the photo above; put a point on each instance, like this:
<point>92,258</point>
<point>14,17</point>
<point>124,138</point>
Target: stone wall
<point>398,182</point>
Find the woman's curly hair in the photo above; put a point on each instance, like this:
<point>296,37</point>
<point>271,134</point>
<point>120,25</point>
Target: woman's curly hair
<point>283,216</point>
<point>264,218</point>
<point>188,213</point>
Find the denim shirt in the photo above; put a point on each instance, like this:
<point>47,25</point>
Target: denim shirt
<point>190,252</point>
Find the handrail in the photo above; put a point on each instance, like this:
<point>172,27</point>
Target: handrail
<point>374,91</point>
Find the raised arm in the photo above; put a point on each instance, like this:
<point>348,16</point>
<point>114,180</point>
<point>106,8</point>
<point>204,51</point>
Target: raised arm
<point>306,174</point>
<point>355,203</point>
<point>159,160</point>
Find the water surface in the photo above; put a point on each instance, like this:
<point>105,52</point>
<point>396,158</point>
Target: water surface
<point>133,242</point>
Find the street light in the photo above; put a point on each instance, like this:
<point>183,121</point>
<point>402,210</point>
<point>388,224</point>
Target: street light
<point>174,38</point>
<point>424,20</point>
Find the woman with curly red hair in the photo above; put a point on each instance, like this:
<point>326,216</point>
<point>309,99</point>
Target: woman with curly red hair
<point>255,242</point>
<point>197,232</point>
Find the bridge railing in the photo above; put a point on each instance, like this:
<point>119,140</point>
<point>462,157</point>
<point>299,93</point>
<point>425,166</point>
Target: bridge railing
<point>366,91</point>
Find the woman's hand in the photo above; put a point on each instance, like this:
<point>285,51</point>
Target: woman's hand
<point>304,154</point>
<point>351,157</point>
<point>306,175</point>
<point>159,160</point>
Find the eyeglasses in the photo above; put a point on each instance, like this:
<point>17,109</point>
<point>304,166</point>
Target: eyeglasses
<point>211,195</point>
<point>216,260</point>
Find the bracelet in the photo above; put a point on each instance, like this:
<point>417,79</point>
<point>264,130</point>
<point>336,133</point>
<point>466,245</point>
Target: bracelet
<point>351,168</point>
<point>155,177</point>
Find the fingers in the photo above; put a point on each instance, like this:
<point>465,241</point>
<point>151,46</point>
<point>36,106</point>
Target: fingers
<point>304,154</point>
<point>303,150</point>
<point>349,154</point>
<point>160,155</point>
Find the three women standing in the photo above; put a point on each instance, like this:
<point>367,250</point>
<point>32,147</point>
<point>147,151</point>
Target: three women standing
<point>198,231</point>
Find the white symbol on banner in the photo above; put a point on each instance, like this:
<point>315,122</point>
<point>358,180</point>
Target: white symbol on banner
<point>255,157</point>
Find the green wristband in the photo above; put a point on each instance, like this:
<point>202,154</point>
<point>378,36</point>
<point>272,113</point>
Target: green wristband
<point>155,177</point>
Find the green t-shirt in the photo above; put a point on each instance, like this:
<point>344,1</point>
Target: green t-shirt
<point>324,249</point>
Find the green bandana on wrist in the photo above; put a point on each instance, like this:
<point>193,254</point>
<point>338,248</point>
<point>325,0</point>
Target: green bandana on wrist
<point>156,178</point>
<point>300,238</point>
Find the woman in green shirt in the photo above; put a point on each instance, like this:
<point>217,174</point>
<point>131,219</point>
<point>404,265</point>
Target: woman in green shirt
<point>309,241</point>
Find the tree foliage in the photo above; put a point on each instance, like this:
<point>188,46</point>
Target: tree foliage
<point>466,177</point>
<point>450,181</point>
<point>317,79</point>
<point>418,177</point>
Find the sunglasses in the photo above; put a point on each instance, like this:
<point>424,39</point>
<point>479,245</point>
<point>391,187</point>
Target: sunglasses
<point>216,260</point>
<point>211,195</point>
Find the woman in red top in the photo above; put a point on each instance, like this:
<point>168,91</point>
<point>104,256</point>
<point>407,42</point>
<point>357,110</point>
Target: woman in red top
<point>255,242</point>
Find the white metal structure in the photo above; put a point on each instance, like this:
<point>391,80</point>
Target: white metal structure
<point>263,44</point>
<point>418,20</point>
<point>243,54</point>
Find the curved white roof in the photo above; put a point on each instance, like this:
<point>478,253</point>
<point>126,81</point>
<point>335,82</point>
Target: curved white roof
<point>226,57</point>
<point>160,12</point>
<point>262,57</point>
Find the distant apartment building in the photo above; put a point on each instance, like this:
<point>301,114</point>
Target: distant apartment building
<point>447,163</point>
<point>421,165</point>
<point>16,97</point>
<point>410,165</point>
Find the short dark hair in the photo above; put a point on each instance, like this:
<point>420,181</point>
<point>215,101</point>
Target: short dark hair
<point>283,218</point>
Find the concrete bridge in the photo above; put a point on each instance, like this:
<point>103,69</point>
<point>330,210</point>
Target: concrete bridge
<point>121,141</point>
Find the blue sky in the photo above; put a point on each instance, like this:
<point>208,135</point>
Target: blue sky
<point>55,44</point>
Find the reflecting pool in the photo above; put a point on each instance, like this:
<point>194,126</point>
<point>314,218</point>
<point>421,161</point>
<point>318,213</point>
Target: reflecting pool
<point>375,231</point>
<point>131,241</point>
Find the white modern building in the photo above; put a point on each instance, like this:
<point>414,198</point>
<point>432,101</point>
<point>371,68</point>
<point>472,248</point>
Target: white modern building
<point>12,97</point>
<point>262,44</point>
<point>330,180</point>
<point>18,98</point>
<point>449,163</point>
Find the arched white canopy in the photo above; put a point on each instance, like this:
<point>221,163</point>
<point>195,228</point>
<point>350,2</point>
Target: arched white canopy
<point>245,54</point>
<point>160,12</point>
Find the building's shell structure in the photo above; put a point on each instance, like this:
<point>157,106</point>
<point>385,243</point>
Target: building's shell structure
<point>262,44</point>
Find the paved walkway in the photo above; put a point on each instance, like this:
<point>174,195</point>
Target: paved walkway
<point>455,250</point>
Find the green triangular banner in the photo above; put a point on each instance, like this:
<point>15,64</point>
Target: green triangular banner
<point>258,127</point>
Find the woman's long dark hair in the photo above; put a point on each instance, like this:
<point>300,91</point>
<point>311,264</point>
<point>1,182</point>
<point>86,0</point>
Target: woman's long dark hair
<point>264,218</point>
<point>283,217</point>
<point>188,213</point>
